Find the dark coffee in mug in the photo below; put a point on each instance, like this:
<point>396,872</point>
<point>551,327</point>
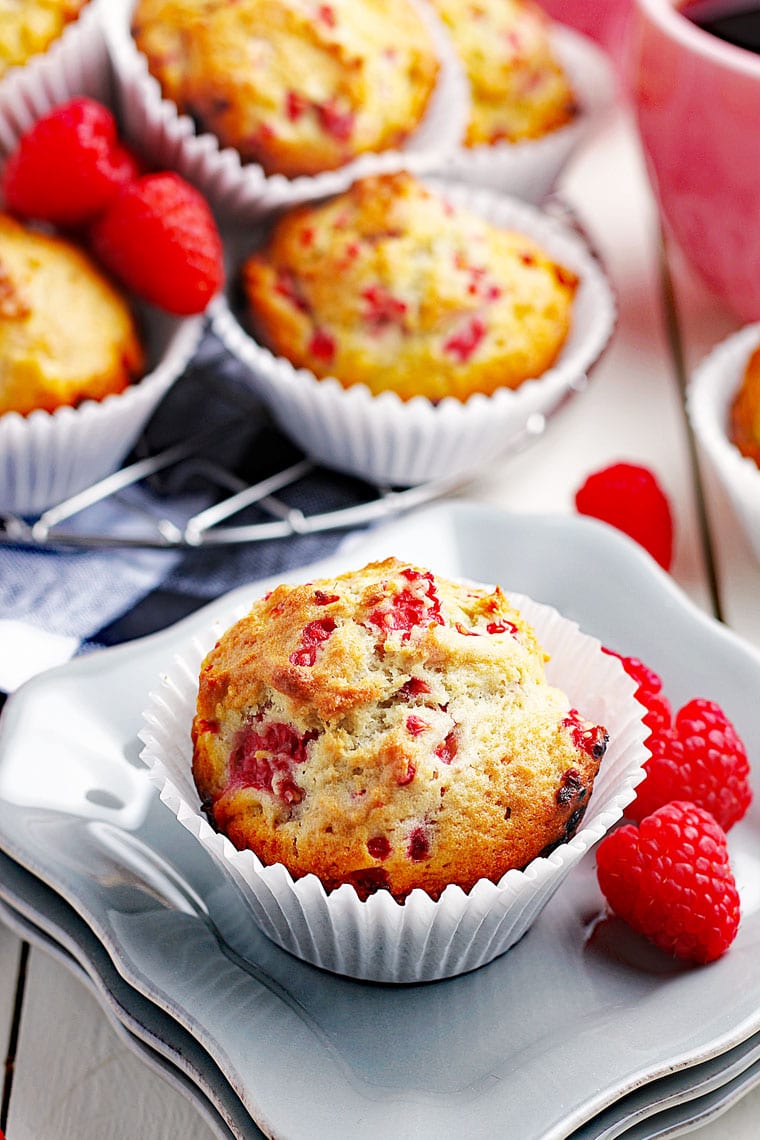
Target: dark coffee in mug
<point>735,21</point>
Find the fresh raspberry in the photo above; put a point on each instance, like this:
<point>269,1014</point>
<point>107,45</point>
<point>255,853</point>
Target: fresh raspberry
<point>629,497</point>
<point>648,692</point>
<point>702,759</point>
<point>670,879</point>
<point>68,166</point>
<point>159,238</point>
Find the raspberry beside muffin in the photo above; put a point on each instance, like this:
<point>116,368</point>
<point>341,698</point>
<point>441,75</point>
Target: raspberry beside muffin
<point>390,729</point>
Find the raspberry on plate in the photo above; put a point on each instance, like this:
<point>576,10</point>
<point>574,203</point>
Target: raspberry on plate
<point>701,759</point>
<point>670,879</point>
<point>68,166</point>
<point>628,497</point>
<point>648,692</point>
<point>159,238</point>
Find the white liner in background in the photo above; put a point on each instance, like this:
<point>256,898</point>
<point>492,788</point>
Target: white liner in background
<point>242,190</point>
<point>708,400</point>
<point>420,940</point>
<point>77,63</point>
<point>388,440</point>
<point>529,169</point>
<point>47,456</point>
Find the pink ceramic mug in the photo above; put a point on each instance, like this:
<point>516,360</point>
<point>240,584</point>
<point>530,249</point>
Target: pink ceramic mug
<point>698,105</point>
<point>602,20</point>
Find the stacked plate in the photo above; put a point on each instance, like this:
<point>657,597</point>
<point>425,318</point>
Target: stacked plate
<point>579,1031</point>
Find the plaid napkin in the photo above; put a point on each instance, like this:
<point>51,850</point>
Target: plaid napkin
<point>55,603</point>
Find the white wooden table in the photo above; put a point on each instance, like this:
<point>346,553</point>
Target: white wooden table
<point>72,1078</point>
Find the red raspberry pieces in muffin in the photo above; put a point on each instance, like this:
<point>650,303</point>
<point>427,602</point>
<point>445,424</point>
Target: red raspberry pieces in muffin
<point>628,497</point>
<point>158,236</point>
<point>68,166</point>
<point>670,879</point>
<point>702,759</point>
<point>414,605</point>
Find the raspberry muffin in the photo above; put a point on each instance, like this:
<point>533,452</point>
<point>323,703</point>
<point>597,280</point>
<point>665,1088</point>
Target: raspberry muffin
<point>390,729</point>
<point>297,86</point>
<point>518,86</point>
<point>745,411</point>
<point>66,334</point>
<point>391,286</point>
<point>29,27</point>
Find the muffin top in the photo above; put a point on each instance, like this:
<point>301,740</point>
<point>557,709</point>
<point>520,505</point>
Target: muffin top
<point>391,729</point>
<point>744,420</point>
<point>28,27</point>
<point>519,89</point>
<point>294,85</point>
<point>391,286</point>
<point>66,334</point>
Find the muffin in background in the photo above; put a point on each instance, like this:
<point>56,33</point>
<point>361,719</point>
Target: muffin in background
<point>745,410</point>
<point>391,286</point>
<point>66,333</point>
<point>297,88</point>
<point>723,403</point>
<point>518,86</point>
<point>392,730</point>
<point>29,27</point>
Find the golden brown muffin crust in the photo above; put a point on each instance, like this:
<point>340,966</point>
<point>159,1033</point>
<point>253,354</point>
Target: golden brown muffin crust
<point>28,27</point>
<point>744,422</point>
<point>66,334</point>
<point>391,286</point>
<point>518,87</point>
<point>298,86</point>
<point>389,728</point>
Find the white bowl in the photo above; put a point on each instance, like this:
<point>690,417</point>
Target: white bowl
<point>76,63</point>
<point>421,939</point>
<point>388,440</point>
<point>708,399</point>
<point>242,190</point>
<point>45,457</point>
<point>529,169</point>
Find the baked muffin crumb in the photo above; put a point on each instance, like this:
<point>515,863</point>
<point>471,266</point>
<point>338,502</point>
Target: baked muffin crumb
<point>297,86</point>
<point>744,419</point>
<point>391,286</point>
<point>390,729</point>
<point>66,333</point>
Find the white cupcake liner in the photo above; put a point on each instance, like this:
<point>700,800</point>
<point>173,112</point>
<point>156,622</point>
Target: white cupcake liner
<point>77,63</point>
<point>708,400</point>
<point>420,940</point>
<point>239,190</point>
<point>529,169</point>
<point>388,440</point>
<point>45,457</point>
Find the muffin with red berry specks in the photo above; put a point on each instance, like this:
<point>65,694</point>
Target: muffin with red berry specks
<point>266,102</point>
<point>536,89</point>
<point>49,50</point>
<point>389,738</point>
<point>398,321</point>
<point>98,319</point>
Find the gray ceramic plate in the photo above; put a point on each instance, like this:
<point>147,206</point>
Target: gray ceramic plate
<point>663,1107</point>
<point>536,1044</point>
<point>40,915</point>
<point>124,1022</point>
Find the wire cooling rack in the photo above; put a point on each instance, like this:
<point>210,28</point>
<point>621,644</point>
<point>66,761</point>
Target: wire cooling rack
<point>241,480</point>
<point>212,525</point>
